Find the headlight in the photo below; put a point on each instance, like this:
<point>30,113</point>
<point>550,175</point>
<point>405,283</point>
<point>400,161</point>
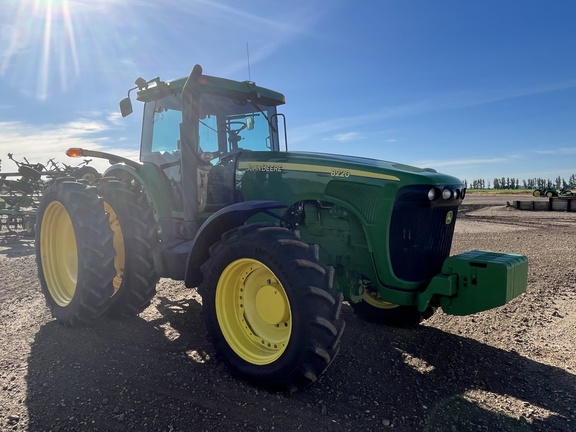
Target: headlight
<point>446,194</point>
<point>432,194</point>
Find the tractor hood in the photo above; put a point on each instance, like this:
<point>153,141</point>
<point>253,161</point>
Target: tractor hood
<point>354,166</point>
<point>363,161</point>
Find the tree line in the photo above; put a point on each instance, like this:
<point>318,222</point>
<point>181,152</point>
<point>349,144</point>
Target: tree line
<point>514,183</point>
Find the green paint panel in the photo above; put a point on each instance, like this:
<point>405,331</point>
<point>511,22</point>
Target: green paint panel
<point>485,280</point>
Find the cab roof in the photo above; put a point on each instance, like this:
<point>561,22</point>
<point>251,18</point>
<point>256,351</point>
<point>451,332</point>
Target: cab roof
<point>213,85</point>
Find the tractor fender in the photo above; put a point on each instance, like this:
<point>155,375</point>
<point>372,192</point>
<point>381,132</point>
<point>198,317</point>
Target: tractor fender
<point>154,183</point>
<point>210,232</point>
<point>121,171</point>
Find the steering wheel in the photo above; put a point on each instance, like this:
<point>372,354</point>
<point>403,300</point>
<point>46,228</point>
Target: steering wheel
<point>242,127</point>
<point>234,136</point>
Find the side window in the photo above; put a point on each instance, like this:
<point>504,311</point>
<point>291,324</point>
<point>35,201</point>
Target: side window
<point>165,146</point>
<point>166,130</point>
<point>208,134</point>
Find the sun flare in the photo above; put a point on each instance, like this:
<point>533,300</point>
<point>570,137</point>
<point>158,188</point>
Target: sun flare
<point>48,42</point>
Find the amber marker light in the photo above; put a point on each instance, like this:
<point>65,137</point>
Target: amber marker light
<point>74,152</point>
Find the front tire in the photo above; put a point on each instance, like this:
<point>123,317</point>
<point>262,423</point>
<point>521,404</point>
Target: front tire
<point>269,307</point>
<point>135,236</point>
<point>74,252</point>
<point>374,309</point>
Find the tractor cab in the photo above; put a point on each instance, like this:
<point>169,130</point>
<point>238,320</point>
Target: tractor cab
<point>226,125</point>
<point>194,129</point>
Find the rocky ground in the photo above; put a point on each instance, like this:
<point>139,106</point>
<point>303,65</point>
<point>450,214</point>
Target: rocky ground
<point>508,369</point>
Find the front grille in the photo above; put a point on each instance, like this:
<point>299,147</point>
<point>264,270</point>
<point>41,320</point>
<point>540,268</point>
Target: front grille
<point>366,199</point>
<point>420,238</point>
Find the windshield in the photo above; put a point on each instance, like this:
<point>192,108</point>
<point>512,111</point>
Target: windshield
<point>225,126</point>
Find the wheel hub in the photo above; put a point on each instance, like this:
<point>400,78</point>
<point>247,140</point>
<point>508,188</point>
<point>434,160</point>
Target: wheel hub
<point>270,305</point>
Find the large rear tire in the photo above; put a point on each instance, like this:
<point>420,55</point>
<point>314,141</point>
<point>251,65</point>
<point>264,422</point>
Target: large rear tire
<point>74,252</point>
<point>269,307</point>
<point>135,236</point>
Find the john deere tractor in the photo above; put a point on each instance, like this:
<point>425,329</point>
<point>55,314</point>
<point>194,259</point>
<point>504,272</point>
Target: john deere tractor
<point>274,240</point>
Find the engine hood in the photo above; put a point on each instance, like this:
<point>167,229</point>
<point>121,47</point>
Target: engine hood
<point>397,171</point>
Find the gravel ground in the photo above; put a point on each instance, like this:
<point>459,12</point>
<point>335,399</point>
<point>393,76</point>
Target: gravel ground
<point>508,369</point>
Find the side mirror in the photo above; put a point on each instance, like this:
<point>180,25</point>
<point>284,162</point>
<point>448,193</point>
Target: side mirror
<point>126,107</point>
<point>250,123</point>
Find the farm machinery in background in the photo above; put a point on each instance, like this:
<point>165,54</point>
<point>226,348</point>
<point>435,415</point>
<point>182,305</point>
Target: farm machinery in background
<point>19,196</point>
<point>551,192</point>
<point>545,192</point>
<point>20,191</point>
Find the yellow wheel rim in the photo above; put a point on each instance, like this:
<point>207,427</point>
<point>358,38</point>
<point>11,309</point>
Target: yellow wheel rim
<point>59,254</point>
<point>253,311</point>
<point>118,239</point>
<point>373,299</point>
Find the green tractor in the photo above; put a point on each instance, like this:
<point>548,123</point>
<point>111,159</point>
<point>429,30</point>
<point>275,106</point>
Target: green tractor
<point>274,240</point>
<point>547,192</point>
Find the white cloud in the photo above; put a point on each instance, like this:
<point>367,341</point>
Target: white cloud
<point>115,118</point>
<point>348,136</point>
<point>238,16</point>
<point>12,38</point>
<point>39,143</point>
<point>455,100</point>
<point>464,162</point>
<point>304,133</point>
<point>557,151</point>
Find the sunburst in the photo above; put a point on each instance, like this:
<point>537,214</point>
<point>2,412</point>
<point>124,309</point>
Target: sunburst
<point>41,41</point>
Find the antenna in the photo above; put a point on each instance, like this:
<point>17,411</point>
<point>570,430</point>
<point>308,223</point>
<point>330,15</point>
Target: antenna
<point>248,57</point>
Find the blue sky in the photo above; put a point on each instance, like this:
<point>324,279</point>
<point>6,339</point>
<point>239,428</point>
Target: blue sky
<point>477,89</point>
